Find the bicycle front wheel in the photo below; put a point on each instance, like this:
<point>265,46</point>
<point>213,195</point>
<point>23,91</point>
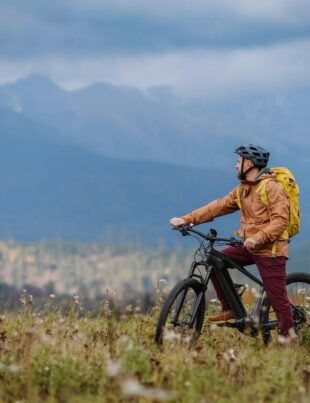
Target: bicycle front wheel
<point>298,292</point>
<point>176,322</point>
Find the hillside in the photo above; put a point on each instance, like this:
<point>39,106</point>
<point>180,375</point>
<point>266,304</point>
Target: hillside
<point>50,188</point>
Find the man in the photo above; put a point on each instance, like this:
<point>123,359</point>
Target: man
<point>261,227</point>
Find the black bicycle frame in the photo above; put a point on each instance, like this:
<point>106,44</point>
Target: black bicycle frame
<point>217,263</point>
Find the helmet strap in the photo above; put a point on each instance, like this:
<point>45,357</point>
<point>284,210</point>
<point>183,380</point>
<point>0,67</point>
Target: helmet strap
<point>242,173</point>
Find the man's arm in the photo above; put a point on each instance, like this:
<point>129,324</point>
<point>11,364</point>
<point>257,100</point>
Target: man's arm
<point>219,207</point>
<point>279,210</point>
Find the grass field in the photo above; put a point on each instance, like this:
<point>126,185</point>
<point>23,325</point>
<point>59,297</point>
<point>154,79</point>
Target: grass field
<point>52,357</point>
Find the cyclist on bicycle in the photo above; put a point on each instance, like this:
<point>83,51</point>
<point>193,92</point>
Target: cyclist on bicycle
<point>261,226</point>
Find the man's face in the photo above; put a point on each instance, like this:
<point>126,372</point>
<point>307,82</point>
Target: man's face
<point>246,165</point>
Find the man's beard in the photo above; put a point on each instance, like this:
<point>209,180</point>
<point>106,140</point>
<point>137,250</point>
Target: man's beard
<point>240,176</point>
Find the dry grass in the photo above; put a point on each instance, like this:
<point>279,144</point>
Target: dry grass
<point>53,358</point>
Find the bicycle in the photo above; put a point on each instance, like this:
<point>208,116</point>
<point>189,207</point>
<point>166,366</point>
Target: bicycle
<point>184,308</point>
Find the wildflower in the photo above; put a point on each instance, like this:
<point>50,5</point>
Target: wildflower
<point>301,291</point>
<point>229,355</point>
<point>109,292</point>
<point>13,368</point>
<point>25,298</point>
<point>39,321</point>
<point>254,292</point>
<point>170,335</point>
<point>213,327</point>
<point>131,387</point>
<point>75,298</point>
<point>113,368</point>
<point>128,308</point>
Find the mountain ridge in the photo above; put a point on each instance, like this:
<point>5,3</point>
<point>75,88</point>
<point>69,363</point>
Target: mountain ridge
<point>53,189</point>
<point>144,132</point>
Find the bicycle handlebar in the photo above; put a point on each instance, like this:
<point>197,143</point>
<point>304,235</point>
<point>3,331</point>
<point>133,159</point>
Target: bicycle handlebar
<point>186,229</point>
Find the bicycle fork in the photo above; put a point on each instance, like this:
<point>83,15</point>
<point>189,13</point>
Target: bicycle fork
<point>197,301</point>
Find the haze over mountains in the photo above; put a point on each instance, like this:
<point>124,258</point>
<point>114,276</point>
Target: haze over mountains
<point>124,122</point>
<point>97,162</point>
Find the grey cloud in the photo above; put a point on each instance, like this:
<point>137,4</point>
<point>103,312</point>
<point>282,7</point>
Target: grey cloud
<point>216,75</point>
<point>91,27</point>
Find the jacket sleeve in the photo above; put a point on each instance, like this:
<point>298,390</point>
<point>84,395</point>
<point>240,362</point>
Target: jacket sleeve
<point>226,205</point>
<point>279,211</point>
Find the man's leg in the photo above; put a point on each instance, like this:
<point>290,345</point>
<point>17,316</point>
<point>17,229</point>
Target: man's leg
<point>272,271</point>
<point>240,255</point>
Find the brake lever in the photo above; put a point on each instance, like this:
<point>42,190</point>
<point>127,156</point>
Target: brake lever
<point>213,233</point>
<point>236,241</point>
<point>182,229</point>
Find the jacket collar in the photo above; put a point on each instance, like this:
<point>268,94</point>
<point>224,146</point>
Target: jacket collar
<point>264,173</point>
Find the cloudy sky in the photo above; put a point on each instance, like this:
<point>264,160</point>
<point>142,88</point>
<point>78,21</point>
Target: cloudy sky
<point>198,47</point>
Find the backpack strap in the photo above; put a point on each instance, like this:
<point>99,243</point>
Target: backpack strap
<point>239,196</point>
<point>238,201</point>
<point>263,196</point>
<point>262,192</point>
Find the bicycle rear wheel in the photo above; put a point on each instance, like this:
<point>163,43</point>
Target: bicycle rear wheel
<point>174,320</point>
<point>298,291</point>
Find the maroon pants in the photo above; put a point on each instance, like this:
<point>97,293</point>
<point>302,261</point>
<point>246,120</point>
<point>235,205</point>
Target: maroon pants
<point>272,272</point>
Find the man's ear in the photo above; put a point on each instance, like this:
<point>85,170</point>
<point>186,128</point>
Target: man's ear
<point>249,163</point>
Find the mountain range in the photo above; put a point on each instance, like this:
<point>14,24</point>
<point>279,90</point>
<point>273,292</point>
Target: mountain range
<point>115,163</point>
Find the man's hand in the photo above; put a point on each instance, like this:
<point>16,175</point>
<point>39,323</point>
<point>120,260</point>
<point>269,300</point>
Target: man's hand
<point>249,243</point>
<point>176,222</point>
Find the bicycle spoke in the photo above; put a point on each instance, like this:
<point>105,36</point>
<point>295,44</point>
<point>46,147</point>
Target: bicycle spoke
<point>179,323</point>
<point>298,292</point>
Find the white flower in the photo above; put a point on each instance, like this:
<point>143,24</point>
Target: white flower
<point>229,355</point>
<point>301,291</point>
<point>213,327</point>
<point>114,368</point>
<point>131,387</point>
<point>170,335</point>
